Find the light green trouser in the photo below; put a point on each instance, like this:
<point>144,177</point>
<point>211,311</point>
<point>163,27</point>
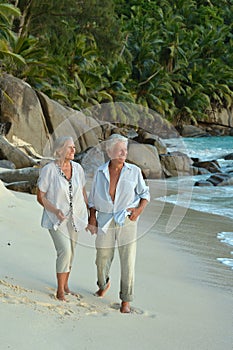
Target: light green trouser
<point>125,236</point>
<point>65,247</point>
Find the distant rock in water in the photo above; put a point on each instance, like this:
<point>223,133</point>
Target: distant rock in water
<point>203,183</point>
<point>212,166</point>
<point>228,156</point>
<point>218,179</point>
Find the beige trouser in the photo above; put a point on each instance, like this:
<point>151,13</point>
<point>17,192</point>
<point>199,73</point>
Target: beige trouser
<point>125,237</point>
<point>65,246</point>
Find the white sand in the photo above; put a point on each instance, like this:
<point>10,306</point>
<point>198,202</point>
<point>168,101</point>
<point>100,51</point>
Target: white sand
<point>183,300</point>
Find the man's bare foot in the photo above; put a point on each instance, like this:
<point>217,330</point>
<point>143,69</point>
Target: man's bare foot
<point>101,292</point>
<point>125,307</point>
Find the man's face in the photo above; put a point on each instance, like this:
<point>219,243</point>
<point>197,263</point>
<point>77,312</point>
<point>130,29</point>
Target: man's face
<point>119,152</point>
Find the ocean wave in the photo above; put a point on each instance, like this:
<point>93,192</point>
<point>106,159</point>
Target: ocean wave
<point>226,237</point>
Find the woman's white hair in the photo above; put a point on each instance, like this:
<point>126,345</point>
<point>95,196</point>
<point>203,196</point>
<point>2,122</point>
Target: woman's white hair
<point>113,140</point>
<point>59,145</point>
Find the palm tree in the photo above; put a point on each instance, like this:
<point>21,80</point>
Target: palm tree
<point>7,11</point>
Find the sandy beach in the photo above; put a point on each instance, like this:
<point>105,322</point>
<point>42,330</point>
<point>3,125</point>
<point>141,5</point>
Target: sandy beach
<point>183,295</point>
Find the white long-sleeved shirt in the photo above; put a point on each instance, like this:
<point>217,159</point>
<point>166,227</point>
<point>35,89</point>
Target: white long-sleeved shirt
<point>57,192</point>
<point>131,188</point>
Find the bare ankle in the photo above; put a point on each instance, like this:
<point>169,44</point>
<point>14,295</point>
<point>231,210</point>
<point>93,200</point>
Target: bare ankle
<point>125,307</point>
<point>101,292</point>
<point>60,296</point>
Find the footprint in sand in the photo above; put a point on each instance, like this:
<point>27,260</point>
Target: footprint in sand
<point>134,310</point>
<point>74,297</point>
<point>74,307</point>
<point>71,294</point>
<point>88,309</point>
<point>14,288</point>
<point>12,299</point>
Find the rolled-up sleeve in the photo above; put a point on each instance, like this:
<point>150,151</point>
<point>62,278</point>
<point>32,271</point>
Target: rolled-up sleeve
<point>142,189</point>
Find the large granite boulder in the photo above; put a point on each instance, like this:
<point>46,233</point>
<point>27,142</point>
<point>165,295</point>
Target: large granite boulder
<point>61,120</point>
<point>21,108</point>
<point>30,121</point>
<point>15,155</point>
<point>147,158</point>
<point>176,164</point>
<point>91,159</point>
<point>151,139</point>
<point>192,131</point>
<point>223,117</point>
<point>22,180</point>
<point>36,119</point>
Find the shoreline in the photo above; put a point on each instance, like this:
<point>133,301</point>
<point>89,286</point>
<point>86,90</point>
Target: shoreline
<point>197,235</point>
<point>183,295</point>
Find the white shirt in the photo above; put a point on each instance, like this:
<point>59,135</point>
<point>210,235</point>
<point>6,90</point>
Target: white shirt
<point>56,188</point>
<point>131,188</point>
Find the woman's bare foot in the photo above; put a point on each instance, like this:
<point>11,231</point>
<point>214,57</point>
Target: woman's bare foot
<point>125,307</point>
<point>101,292</point>
<point>61,297</point>
<point>69,292</point>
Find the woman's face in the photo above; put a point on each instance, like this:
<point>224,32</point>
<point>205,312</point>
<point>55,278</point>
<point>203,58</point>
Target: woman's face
<point>118,152</point>
<point>70,150</point>
<point>67,152</point>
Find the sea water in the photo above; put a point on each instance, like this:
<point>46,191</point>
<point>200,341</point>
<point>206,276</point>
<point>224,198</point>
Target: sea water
<point>215,200</point>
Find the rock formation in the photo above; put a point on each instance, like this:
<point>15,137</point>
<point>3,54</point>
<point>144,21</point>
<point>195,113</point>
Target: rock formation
<point>30,120</point>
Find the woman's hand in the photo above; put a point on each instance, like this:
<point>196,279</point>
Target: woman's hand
<point>60,215</point>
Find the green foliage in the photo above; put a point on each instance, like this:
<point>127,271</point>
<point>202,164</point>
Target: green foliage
<point>174,57</point>
<point>181,57</point>
<point>6,35</point>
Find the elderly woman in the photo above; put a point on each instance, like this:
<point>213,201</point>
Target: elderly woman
<point>61,191</point>
<point>117,198</point>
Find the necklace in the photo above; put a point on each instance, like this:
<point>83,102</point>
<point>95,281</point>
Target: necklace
<point>61,173</point>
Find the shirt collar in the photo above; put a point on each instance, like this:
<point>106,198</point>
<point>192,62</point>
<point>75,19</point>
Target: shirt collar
<point>104,167</point>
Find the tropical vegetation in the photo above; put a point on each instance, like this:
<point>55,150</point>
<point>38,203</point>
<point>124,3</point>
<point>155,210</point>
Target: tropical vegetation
<point>174,57</point>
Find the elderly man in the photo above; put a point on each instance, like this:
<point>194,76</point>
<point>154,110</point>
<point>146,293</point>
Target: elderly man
<point>117,198</point>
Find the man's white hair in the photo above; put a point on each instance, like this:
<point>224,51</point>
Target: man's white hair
<point>114,139</point>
